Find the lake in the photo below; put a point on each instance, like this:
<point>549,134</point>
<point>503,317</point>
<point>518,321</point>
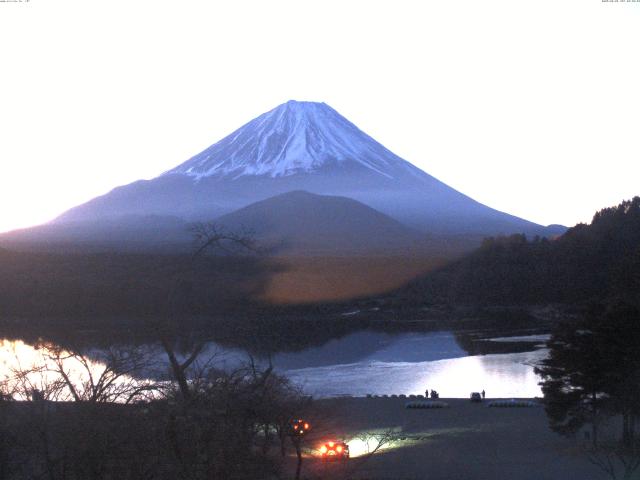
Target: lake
<point>373,362</point>
<point>378,363</point>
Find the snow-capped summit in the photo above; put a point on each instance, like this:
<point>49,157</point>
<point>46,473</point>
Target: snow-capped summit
<point>300,146</point>
<point>295,137</point>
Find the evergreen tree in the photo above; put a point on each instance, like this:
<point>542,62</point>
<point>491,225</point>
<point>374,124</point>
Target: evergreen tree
<point>593,369</point>
<point>574,379</point>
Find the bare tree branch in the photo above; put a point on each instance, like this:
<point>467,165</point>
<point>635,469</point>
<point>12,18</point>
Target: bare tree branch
<point>213,237</point>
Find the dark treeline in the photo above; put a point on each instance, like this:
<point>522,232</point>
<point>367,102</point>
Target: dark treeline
<point>596,261</point>
<point>110,284</point>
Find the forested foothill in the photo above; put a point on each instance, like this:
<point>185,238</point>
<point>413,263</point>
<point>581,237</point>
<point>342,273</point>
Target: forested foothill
<point>110,284</point>
<point>599,261</point>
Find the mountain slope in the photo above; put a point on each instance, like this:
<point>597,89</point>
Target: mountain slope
<point>294,138</point>
<point>299,221</point>
<point>302,146</point>
<point>132,233</point>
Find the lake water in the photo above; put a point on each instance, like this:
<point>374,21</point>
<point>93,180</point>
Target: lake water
<point>377,363</point>
<point>370,362</point>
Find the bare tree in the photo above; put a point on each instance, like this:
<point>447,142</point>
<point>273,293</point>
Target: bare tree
<point>179,369</point>
<point>211,238</point>
<point>208,238</point>
<point>33,383</point>
<point>214,435</point>
<point>113,377</point>
<point>617,459</point>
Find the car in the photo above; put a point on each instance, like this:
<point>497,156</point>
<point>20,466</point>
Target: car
<point>475,397</point>
<point>333,451</point>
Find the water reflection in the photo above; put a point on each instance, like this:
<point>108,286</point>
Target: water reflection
<point>375,346</point>
<point>501,375</point>
<point>360,363</point>
<point>49,372</point>
<point>411,363</point>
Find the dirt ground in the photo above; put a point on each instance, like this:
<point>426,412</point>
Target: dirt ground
<point>464,441</point>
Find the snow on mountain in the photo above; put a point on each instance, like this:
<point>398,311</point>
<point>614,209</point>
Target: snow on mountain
<point>301,146</point>
<point>295,137</point>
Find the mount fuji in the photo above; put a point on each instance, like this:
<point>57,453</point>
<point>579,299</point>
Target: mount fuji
<point>293,139</point>
<point>297,146</point>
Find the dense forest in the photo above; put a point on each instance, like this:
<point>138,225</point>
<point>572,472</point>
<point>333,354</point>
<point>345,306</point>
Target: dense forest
<point>109,284</point>
<point>599,261</point>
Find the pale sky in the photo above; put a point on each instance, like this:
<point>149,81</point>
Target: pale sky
<point>531,107</point>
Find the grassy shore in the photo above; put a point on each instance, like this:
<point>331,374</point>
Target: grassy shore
<point>464,441</point>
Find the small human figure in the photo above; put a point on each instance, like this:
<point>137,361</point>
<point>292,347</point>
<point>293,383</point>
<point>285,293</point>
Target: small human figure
<point>426,393</point>
<point>482,394</point>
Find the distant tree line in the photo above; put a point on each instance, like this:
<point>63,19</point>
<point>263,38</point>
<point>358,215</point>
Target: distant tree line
<point>112,284</point>
<point>596,261</point>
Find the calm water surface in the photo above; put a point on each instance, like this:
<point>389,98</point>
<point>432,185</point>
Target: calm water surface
<point>369,362</point>
<point>409,363</point>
